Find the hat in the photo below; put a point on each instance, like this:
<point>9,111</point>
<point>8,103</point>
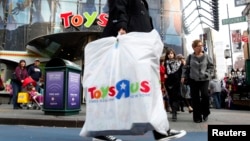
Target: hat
<point>37,59</point>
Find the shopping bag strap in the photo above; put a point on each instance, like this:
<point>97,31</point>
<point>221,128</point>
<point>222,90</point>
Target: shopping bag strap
<point>117,40</point>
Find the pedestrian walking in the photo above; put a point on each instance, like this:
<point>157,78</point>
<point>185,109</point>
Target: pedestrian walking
<point>173,71</point>
<point>163,78</point>
<point>131,16</point>
<point>215,91</point>
<point>201,69</point>
<point>185,89</point>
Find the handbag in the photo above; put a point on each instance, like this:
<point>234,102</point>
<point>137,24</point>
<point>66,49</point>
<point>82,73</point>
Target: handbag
<point>13,76</point>
<point>185,91</point>
<point>187,79</point>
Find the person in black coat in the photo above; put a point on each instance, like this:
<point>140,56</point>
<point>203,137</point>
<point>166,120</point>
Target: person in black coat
<point>127,16</point>
<point>131,16</point>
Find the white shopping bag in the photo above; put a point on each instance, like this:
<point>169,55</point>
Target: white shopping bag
<point>122,85</point>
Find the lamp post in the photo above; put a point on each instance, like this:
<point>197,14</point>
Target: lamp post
<point>230,44</point>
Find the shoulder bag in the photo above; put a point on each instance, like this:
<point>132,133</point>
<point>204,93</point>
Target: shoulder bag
<point>187,79</point>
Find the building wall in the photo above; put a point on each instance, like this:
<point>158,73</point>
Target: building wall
<point>27,20</point>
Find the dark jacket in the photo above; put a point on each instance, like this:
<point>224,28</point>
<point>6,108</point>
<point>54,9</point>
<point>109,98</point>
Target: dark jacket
<point>131,15</point>
<point>174,71</point>
<point>35,72</point>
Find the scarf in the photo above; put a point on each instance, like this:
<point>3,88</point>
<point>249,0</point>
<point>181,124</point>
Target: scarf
<point>172,66</point>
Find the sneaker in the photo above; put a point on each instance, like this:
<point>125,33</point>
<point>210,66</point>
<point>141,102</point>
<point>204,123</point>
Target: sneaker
<point>29,105</point>
<point>171,134</point>
<point>106,138</point>
<point>174,116</point>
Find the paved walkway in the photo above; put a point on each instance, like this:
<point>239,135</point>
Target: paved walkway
<point>38,118</point>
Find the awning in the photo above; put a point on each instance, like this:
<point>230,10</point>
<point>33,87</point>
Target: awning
<point>66,45</point>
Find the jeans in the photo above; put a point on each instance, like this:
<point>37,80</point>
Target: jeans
<point>217,99</point>
<point>38,86</point>
<point>16,87</point>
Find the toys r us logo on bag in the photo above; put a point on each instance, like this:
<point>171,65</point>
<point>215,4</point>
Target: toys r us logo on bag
<point>123,87</point>
<point>119,81</point>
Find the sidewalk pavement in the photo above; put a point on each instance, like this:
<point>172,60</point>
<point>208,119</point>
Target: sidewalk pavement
<point>38,118</point>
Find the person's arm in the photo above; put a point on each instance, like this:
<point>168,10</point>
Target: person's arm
<point>121,16</point>
<point>210,66</point>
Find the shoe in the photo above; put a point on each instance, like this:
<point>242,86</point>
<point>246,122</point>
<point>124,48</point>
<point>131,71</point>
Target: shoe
<point>197,121</point>
<point>205,118</point>
<point>171,134</point>
<point>170,109</point>
<point>190,109</point>
<point>174,116</point>
<point>29,106</point>
<point>20,107</point>
<point>106,138</point>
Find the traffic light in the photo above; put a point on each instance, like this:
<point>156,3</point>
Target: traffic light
<point>215,11</point>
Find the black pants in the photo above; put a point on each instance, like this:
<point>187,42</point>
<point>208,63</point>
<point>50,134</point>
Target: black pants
<point>200,99</point>
<point>174,96</point>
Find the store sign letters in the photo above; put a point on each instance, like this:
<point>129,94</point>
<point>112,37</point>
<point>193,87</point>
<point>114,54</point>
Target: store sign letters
<point>88,19</point>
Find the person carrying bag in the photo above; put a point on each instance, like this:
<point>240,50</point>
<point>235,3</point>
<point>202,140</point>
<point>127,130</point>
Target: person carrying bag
<point>124,101</point>
<point>20,74</point>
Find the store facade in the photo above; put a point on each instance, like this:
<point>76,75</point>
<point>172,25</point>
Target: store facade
<point>38,27</point>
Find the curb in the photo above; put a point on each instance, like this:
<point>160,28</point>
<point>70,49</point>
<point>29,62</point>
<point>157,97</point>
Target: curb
<point>42,122</point>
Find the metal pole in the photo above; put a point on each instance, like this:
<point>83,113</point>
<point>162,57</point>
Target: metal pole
<point>230,44</point>
<point>248,51</point>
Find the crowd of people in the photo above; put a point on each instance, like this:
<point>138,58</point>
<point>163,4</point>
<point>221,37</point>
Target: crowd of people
<point>187,82</point>
<point>233,83</point>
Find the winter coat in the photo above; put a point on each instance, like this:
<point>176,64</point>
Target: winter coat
<point>173,71</point>
<point>131,15</point>
<point>201,68</point>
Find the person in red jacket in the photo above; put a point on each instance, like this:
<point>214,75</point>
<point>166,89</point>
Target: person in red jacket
<point>163,77</point>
